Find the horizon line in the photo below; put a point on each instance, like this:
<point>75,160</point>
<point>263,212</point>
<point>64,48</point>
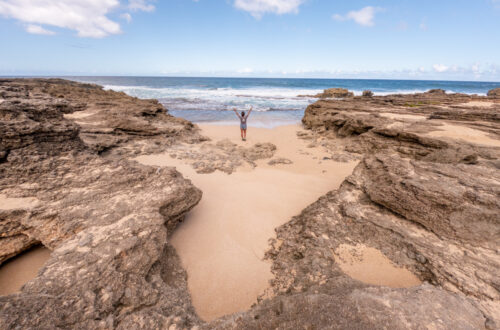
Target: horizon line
<point>238,77</point>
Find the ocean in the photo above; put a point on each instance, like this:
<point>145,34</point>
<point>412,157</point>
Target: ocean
<point>275,101</point>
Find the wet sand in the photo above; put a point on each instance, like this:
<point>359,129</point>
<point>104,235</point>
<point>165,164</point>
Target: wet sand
<point>223,240</point>
<point>370,266</point>
<point>17,271</point>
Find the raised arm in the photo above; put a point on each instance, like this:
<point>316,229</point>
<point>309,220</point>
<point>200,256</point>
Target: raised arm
<point>236,112</point>
<point>248,114</point>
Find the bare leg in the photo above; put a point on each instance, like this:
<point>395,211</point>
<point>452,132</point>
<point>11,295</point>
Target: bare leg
<point>245,134</point>
<point>242,135</point>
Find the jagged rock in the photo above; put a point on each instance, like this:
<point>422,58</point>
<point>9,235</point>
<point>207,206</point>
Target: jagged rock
<point>335,93</point>
<point>102,119</point>
<point>259,151</point>
<point>224,156</point>
<point>462,207</point>
<point>436,91</point>
<point>277,161</point>
<point>494,93</point>
<point>367,93</point>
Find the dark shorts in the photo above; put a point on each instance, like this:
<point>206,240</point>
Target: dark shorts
<point>243,126</point>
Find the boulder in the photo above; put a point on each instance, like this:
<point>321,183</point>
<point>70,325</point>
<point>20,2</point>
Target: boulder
<point>335,93</point>
<point>437,91</point>
<point>494,93</point>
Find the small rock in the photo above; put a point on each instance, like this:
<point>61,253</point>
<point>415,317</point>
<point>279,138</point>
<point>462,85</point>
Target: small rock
<point>277,161</point>
<point>490,324</point>
<point>367,93</point>
<point>494,93</point>
<point>420,258</point>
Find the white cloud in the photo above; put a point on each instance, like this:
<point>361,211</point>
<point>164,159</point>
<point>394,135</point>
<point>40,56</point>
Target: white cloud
<point>88,17</point>
<point>440,68</point>
<point>257,8</point>
<point>142,5</point>
<point>37,29</point>
<point>363,17</point>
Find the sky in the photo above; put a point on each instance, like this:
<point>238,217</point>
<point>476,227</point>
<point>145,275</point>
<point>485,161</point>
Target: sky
<point>388,39</point>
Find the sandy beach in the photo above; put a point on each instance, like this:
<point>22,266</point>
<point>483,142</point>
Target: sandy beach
<point>223,240</point>
<point>16,272</point>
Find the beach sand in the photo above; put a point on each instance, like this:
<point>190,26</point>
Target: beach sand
<point>223,239</point>
<point>370,266</point>
<point>17,271</point>
<point>467,134</point>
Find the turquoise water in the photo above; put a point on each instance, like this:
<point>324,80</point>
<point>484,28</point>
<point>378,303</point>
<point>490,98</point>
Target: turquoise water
<point>275,101</point>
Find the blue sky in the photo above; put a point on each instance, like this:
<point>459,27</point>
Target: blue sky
<point>444,39</point>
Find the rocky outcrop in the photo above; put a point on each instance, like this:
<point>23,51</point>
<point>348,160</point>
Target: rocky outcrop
<point>429,105</point>
<point>102,119</point>
<point>335,93</point>
<point>494,93</point>
<point>106,219</point>
<point>367,93</point>
<point>224,156</point>
<point>430,204</point>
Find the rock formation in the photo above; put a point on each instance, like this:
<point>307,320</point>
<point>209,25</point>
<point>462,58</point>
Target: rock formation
<point>367,93</point>
<point>335,93</point>
<point>224,156</point>
<point>105,219</point>
<point>494,93</point>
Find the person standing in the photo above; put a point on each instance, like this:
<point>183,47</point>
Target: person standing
<point>243,122</point>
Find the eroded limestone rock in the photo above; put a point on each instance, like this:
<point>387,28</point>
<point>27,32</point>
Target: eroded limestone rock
<point>106,219</point>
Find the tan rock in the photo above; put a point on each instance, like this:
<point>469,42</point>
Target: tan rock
<point>494,93</point>
<point>335,93</point>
